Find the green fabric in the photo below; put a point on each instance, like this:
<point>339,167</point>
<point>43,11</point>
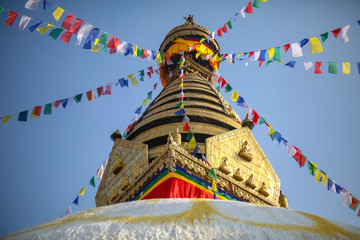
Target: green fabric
<point>77,98</point>
<point>244,54</point>
<point>332,67</point>
<point>55,33</point>
<point>218,88</point>
<point>92,181</point>
<point>103,38</point>
<point>324,36</point>
<point>311,168</point>
<point>162,57</point>
<point>1,9</point>
<point>356,206</point>
<point>256,3</point>
<point>190,135</point>
<point>262,120</point>
<point>230,23</point>
<point>48,109</point>
<point>228,88</point>
<point>142,78</point>
<point>212,174</point>
<point>179,104</point>
<point>273,136</point>
<point>267,63</point>
<point>149,95</point>
<point>141,73</point>
<point>277,56</point>
<point>124,135</point>
<point>140,52</point>
<point>105,48</point>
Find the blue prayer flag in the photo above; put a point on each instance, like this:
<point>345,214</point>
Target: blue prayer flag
<point>215,197</point>
<point>358,66</point>
<point>91,37</point>
<point>304,42</point>
<point>153,55</point>
<point>33,27</point>
<point>262,55</point>
<point>76,201</point>
<point>359,22</point>
<point>338,188</point>
<point>240,101</point>
<point>278,136</point>
<point>138,110</point>
<point>196,150</point>
<point>180,112</point>
<point>64,102</point>
<point>291,64</point>
<point>23,116</point>
<point>124,82</point>
<point>128,50</point>
<point>47,4</point>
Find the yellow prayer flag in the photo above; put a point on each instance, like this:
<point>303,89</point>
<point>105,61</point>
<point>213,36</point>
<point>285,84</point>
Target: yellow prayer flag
<point>216,58</point>
<point>181,84</point>
<point>213,185</point>
<point>57,13</point>
<point>6,119</point>
<point>197,55</point>
<point>144,103</point>
<point>318,175</point>
<point>130,76</point>
<point>96,46</point>
<point>82,191</point>
<point>234,96</point>
<point>134,81</point>
<point>238,55</point>
<point>32,114</point>
<point>271,130</point>
<point>192,143</point>
<point>202,40</point>
<point>271,52</point>
<point>43,30</point>
<point>346,67</point>
<point>324,180</point>
<point>315,45</point>
<point>182,106</point>
<point>135,50</point>
<point>263,0</point>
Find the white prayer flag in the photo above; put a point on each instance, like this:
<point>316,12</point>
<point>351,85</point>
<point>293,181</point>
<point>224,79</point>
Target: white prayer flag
<point>344,36</point>
<point>256,55</point>
<point>186,119</point>
<point>135,118</point>
<point>290,150</point>
<point>32,4</point>
<point>24,22</point>
<point>68,211</point>
<point>347,198</point>
<point>121,48</point>
<point>83,32</point>
<point>100,171</point>
<point>248,109</point>
<point>296,50</point>
<point>308,65</point>
<point>242,13</point>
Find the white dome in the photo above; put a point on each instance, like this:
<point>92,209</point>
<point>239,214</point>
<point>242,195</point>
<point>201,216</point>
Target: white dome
<point>190,219</point>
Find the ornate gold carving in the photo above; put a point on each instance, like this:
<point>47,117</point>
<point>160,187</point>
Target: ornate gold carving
<point>125,183</point>
<point>136,170</point>
<point>283,200</point>
<point>250,182</point>
<point>245,151</point>
<point>263,190</point>
<point>237,174</point>
<point>118,165</point>
<point>106,201</point>
<point>177,137</point>
<point>115,195</point>
<point>224,167</point>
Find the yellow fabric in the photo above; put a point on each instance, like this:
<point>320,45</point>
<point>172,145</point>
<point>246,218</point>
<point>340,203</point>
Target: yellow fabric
<point>181,84</point>
<point>234,96</point>
<point>318,175</point>
<point>192,143</point>
<point>32,114</point>
<point>202,40</point>
<point>82,191</point>
<point>135,50</point>
<point>197,55</point>
<point>57,13</point>
<point>144,103</point>
<point>134,81</point>
<point>315,45</point>
<point>238,56</point>
<point>130,76</point>
<point>271,52</point>
<point>43,30</point>
<point>96,46</point>
<point>324,180</point>
<point>213,185</point>
<point>6,119</point>
<point>346,67</point>
<point>182,106</point>
<point>271,130</point>
<point>263,0</point>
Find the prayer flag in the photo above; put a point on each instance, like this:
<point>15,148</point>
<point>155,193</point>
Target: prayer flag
<point>256,55</point>
<point>224,28</point>
<point>83,32</point>
<point>240,101</point>
<point>100,172</point>
<point>6,119</point>
<point>267,63</point>
<point>55,33</point>
<point>332,68</point>
<point>24,22</point>
<point>144,102</point>
<point>155,86</point>
<point>64,102</point>
<point>134,81</point>
<point>57,103</point>
<point>180,112</point>
<point>43,30</point>
<point>346,67</point>
<point>262,55</point>
<point>344,36</point>
<point>186,127</point>
<point>219,32</point>
<point>11,19</point>
<point>23,116</point>
<point>124,82</point>
<point>286,47</point>
<point>68,210</point>
<point>33,27</point>
<point>228,88</point>
<point>138,110</point>
<point>36,112</point>
<point>108,89</point>
<point>32,4</point>
<point>315,45</point>
<point>278,136</point>
<point>149,95</point>
<point>271,52</point>
<point>47,4</point>
<point>96,46</point>
<point>103,39</point>
<point>234,96</point>
<point>291,64</point>
<point>215,197</point>
<point>66,37</point>
<point>324,36</point>
<point>312,167</point>
<point>186,119</point>
<point>304,42</point>
<point>48,109</point>
<point>262,120</point>
<point>296,50</point>
<point>317,67</point>
<point>192,143</point>
<point>277,54</point>
<point>78,97</point>
<point>92,181</point>
<point>190,135</point>
<point>230,23</point>
<point>57,13</point>
<point>196,150</point>
<point>91,37</point>
<point>76,201</point>
<point>212,174</point>
<point>358,67</point>
<point>249,8</point>
<point>100,91</point>
<point>213,185</point>
<point>256,4</point>
<point>308,65</point>
<point>67,22</point>
<point>180,104</point>
<point>90,95</point>
<point>255,117</point>
<point>336,32</point>
<point>128,128</point>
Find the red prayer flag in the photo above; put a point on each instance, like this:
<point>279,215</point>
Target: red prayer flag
<point>89,95</point>
<point>181,98</point>
<point>67,22</point>
<point>250,54</point>
<point>299,157</point>
<point>336,32</point>
<point>249,8</point>
<point>128,128</point>
<point>11,19</point>
<point>221,79</point>
<point>149,74</point>
<point>317,67</point>
<point>144,54</point>
<point>108,89</point>
<point>255,117</point>
<point>75,28</point>
<point>66,37</point>
<point>224,28</point>
<point>116,44</point>
<point>155,86</point>
<point>286,47</point>
<point>219,32</point>
<point>260,62</point>
<point>37,111</point>
<point>354,203</point>
<point>57,103</point>
<point>100,90</point>
<point>223,83</point>
<point>111,42</point>
<point>358,213</point>
<point>186,127</point>
<point>151,69</point>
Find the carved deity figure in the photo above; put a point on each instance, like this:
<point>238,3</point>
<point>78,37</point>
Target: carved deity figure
<point>106,201</point>
<point>118,165</point>
<point>250,182</point>
<point>224,166</point>
<point>125,183</point>
<point>190,19</point>
<point>245,151</point>
<point>237,174</point>
<point>115,195</point>
<point>177,137</point>
<point>263,190</point>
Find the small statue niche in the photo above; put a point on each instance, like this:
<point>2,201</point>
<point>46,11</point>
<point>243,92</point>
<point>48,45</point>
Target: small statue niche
<point>118,165</point>
<point>245,151</point>
<point>263,190</point>
<point>250,182</point>
<point>115,195</point>
<point>237,174</point>
<point>224,166</point>
<point>125,183</point>
<point>106,201</point>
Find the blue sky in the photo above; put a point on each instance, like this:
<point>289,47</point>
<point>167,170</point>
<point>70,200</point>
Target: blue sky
<point>46,161</point>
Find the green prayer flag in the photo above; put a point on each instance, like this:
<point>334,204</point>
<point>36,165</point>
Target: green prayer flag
<point>218,88</point>
<point>267,63</point>
<point>332,67</point>
<point>230,23</point>
<point>272,136</point>
<point>190,135</point>
<point>105,48</point>
<point>141,73</point>
<point>149,95</point>
<point>162,60</point>
<point>324,36</point>
<point>179,104</point>
<point>212,174</point>
<point>142,78</point>
<point>311,168</point>
<point>256,3</point>
<point>140,52</point>
<point>55,33</point>
<point>1,9</point>
<point>48,109</point>
<point>228,88</point>
<point>262,120</point>
<point>77,98</point>
<point>124,135</point>
<point>92,181</point>
<point>277,56</point>
<point>103,38</point>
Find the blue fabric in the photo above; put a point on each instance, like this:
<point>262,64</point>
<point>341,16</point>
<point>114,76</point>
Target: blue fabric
<point>128,50</point>
<point>196,150</point>
<point>47,4</point>
<point>215,197</point>
<point>76,201</point>
<point>124,82</point>
<point>180,112</point>
<point>240,101</point>
<point>64,102</point>
<point>278,136</point>
<point>91,37</point>
<point>358,66</point>
<point>359,22</point>
<point>291,64</point>
<point>23,116</point>
<point>304,42</point>
<point>338,188</point>
<point>262,55</point>
<point>153,55</point>
<point>33,27</point>
<point>138,110</point>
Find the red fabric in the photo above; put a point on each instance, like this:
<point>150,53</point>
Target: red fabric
<point>317,67</point>
<point>255,117</point>
<point>75,28</point>
<point>176,188</point>
<point>224,28</point>
<point>299,157</point>
<point>186,127</point>
<point>336,32</point>
<point>108,90</point>
<point>260,62</point>
<point>57,103</point>
<point>37,111</point>
<point>354,202</point>
<point>155,86</point>
<point>358,213</point>
<point>66,37</point>
<point>128,128</point>
<point>149,74</point>
<point>111,42</point>
<point>219,32</point>
<point>266,124</point>
<point>144,54</point>
<point>67,22</point>
<point>181,98</point>
<point>251,53</point>
<point>249,8</point>
<point>151,69</point>
<point>221,79</point>
<point>223,83</point>
<point>286,47</point>
<point>181,77</point>
<point>89,95</point>
<point>115,45</point>
<point>100,90</point>
<point>11,19</point>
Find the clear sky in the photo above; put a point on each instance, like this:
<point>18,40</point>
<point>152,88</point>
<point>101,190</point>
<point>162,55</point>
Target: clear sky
<point>46,161</point>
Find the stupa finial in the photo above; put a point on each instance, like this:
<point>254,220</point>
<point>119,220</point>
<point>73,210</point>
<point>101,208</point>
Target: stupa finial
<point>190,20</point>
